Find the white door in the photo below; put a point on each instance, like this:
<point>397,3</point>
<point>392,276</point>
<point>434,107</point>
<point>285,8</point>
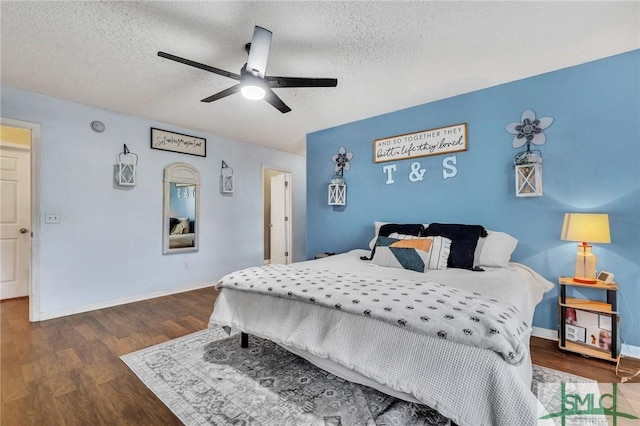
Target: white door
<point>280,219</point>
<point>15,219</point>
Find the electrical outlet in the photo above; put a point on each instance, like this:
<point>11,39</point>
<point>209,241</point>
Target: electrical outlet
<point>186,264</point>
<point>51,218</point>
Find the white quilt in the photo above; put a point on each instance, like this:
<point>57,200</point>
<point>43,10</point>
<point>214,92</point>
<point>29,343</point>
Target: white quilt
<point>421,306</point>
<point>470,385</point>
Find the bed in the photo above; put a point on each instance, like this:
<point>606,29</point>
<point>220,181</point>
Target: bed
<point>181,240</point>
<point>181,233</point>
<point>470,382</point>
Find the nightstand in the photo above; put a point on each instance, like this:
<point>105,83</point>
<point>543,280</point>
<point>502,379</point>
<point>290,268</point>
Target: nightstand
<point>589,327</point>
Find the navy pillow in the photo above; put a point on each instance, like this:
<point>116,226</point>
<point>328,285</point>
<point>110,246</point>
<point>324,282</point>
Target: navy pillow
<point>405,229</point>
<point>464,239</point>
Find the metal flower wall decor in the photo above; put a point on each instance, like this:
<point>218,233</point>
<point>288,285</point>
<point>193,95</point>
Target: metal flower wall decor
<point>529,129</point>
<point>338,186</point>
<point>342,159</point>
<point>528,164</point>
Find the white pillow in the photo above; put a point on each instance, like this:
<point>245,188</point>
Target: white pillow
<point>435,258</point>
<point>494,250</point>
<point>182,227</point>
<point>377,225</point>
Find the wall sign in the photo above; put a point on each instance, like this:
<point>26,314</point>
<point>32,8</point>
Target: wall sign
<point>177,142</point>
<point>417,173</point>
<point>442,140</point>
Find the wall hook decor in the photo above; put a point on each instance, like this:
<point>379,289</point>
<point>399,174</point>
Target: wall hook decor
<point>226,179</point>
<point>338,186</point>
<point>127,163</point>
<point>528,163</point>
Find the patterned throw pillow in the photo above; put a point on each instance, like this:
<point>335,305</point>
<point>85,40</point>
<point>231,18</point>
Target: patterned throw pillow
<point>416,254</point>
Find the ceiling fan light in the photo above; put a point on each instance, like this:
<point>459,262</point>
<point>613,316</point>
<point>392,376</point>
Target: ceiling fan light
<point>252,92</point>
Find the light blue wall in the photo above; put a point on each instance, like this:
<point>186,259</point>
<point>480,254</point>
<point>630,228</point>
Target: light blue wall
<point>108,245</point>
<point>591,163</point>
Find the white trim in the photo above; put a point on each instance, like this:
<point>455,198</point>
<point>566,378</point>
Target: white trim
<point>289,224</point>
<point>630,351</point>
<point>545,333</point>
<point>19,146</point>
<point>625,349</point>
<point>34,267</point>
<point>179,173</point>
<point>108,304</point>
<point>290,210</point>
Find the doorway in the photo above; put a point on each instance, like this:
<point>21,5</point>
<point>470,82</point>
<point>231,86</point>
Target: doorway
<point>277,214</point>
<point>20,217</point>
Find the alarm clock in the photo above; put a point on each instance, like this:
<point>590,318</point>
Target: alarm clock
<point>605,277</point>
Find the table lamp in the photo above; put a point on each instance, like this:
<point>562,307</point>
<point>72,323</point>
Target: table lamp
<point>591,227</point>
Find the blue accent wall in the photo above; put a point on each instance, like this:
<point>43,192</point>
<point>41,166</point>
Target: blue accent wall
<point>591,163</point>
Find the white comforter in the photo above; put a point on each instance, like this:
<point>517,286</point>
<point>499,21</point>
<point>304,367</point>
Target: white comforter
<point>422,306</point>
<point>472,386</point>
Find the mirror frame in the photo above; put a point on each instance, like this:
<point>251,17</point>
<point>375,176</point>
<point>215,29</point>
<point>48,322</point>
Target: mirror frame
<point>185,174</point>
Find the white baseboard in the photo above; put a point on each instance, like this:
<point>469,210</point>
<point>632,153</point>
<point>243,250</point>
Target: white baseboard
<point>545,333</point>
<point>630,351</point>
<point>110,303</point>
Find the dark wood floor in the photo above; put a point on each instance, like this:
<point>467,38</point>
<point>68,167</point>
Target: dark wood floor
<point>67,371</point>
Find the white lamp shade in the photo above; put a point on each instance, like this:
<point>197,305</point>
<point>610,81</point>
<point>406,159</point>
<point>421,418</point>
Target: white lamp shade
<point>586,227</point>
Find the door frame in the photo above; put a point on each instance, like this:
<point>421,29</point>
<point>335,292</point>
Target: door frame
<point>34,262</point>
<point>290,226</point>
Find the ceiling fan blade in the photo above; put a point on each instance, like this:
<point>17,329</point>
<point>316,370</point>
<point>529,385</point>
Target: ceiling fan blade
<point>199,65</point>
<point>259,51</point>
<point>226,92</point>
<point>274,100</point>
<point>285,82</point>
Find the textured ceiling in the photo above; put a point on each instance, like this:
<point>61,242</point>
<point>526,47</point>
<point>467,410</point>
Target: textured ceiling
<point>385,55</point>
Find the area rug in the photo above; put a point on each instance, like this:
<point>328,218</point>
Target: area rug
<point>205,378</point>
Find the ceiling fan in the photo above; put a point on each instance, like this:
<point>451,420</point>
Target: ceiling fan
<point>253,83</point>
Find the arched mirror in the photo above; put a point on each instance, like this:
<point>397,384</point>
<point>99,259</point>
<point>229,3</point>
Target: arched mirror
<point>181,208</point>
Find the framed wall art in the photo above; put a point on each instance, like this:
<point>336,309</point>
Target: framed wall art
<point>177,142</point>
<point>441,140</point>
